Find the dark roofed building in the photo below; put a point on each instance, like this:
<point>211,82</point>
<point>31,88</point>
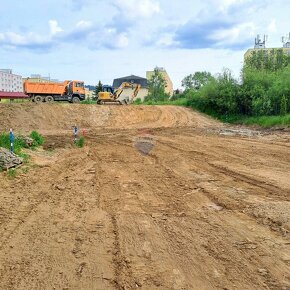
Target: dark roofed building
<point>130,79</point>
<point>127,92</point>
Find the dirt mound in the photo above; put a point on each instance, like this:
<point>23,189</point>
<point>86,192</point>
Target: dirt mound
<point>54,117</point>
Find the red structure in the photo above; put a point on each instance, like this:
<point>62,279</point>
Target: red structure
<point>13,95</point>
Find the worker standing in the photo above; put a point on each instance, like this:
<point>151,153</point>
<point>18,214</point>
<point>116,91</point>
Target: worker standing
<point>11,138</point>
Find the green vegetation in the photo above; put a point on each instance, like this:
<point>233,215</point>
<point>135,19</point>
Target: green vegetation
<point>262,96</point>
<point>156,88</point>
<point>88,102</point>
<point>178,102</point>
<point>37,138</point>
<point>137,101</point>
<point>99,88</point>
<point>24,156</point>
<point>20,143</point>
<point>265,121</point>
<point>80,142</point>
<point>197,80</point>
<point>11,173</point>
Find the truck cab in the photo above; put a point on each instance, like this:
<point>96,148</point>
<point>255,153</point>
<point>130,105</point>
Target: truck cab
<point>76,91</point>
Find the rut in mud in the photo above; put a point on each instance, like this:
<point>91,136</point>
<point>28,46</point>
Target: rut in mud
<point>159,198</point>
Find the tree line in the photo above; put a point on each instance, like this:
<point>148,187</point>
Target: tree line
<point>263,88</point>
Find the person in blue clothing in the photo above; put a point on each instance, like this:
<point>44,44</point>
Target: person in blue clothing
<point>11,137</point>
<point>75,129</point>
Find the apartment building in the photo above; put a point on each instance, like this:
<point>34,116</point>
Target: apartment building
<point>260,44</point>
<point>37,78</point>
<point>10,82</point>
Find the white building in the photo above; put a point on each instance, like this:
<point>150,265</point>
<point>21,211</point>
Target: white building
<point>10,82</point>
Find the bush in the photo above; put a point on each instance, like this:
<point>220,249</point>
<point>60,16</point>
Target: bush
<point>5,143</point>
<point>80,142</point>
<point>262,93</point>
<point>37,138</point>
<point>137,101</point>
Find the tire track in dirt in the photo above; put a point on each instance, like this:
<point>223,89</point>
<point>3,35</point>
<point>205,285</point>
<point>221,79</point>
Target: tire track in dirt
<point>125,145</point>
<point>270,188</point>
<point>82,264</point>
<point>116,219</point>
<point>216,169</point>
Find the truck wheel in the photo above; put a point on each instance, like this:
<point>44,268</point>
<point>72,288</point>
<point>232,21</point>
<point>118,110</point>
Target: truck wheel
<point>38,99</point>
<point>75,100</point>
<point>49,99</point>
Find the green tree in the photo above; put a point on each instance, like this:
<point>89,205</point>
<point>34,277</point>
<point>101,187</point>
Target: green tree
<point>99,88</point>
<point>188,82</point>
<point>272,60</point>
<point>197,80</point>
<point>156,87</point>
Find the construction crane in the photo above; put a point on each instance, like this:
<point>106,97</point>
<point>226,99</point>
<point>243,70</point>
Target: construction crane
<point>109,96</point>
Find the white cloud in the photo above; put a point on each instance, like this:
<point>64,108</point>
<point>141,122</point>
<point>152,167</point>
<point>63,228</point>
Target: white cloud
<point>234,35</point>
<point>122,40</point>
<point>138,8</point>
<point>272,27</point>
<point>109,38</point>
<point>83,24</point>
<point>29,40</point>
<point>226,4</point>
<point>166,40</point>
<point>54,28</point>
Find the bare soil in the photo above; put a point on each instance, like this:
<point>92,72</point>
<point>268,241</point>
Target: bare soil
<point>159,198</point>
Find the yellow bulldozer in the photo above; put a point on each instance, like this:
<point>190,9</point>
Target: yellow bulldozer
<point>111,96</point>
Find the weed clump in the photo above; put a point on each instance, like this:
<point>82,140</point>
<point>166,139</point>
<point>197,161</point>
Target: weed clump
<point>80,142</point>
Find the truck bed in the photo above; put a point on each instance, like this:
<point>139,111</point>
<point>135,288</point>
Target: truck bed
<point>44,88</point>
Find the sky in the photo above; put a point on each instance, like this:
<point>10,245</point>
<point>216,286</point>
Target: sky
<point>94,40</point>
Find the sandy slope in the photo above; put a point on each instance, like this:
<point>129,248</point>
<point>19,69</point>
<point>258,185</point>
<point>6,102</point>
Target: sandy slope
<point>54,117</point>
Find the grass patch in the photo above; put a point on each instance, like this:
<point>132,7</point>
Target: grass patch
<point>11,173</point>
<point>88,102</point>
<point>13,101</point>
<point>178,102</point>
<point>80,142</point>
<point>37,138</point>
<point>24,156</point>
<point>265,121</point>
<point>5,143</point>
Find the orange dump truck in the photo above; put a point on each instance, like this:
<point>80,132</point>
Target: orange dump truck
<point>71,91</point>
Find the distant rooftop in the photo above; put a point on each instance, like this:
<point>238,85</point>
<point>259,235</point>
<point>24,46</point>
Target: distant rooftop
<point>8,71</point>
<point>130,79</point>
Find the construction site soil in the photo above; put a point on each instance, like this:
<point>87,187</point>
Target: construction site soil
<point>160,197</point>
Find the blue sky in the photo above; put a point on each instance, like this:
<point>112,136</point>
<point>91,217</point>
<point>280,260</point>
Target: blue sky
<point>97,39</point>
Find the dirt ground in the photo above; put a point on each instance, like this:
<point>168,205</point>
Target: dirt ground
<point>159,198</point>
